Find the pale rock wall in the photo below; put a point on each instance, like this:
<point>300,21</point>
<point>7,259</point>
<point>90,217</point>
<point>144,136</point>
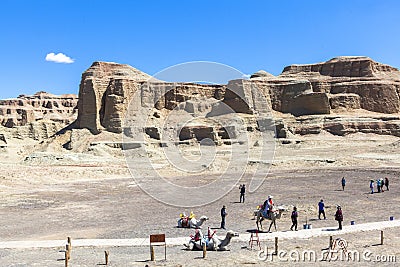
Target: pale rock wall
<point>40,106</point>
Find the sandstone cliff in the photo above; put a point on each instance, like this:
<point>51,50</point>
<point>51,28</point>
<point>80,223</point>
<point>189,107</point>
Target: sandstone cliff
<point>352,83</point>
<point>103,93</point>
<point>24,109</point>
<point>340,85</point>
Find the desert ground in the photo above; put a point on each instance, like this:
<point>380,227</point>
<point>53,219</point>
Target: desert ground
<point>53,195</point>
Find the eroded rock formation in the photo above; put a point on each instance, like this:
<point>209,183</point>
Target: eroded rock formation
<point>24,110</point>
<point>340,85</point>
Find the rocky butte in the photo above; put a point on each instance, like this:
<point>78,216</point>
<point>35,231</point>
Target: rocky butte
<point>341,96</point>
<point>38,116</point>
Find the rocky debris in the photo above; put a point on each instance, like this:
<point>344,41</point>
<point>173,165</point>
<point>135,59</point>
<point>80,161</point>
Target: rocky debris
<point>40,106</point>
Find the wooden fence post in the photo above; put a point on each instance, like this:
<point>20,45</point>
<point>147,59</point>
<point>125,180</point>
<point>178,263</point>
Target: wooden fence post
<point>106,254</point>
<point>151,253</point>
<point>66,258</point>
<point>68,250</point>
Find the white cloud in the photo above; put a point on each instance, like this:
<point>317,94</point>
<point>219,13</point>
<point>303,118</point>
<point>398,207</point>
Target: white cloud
<point>59,58</point>
<point>246,76</point>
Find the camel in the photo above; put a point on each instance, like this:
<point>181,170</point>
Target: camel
<point>276,214</point>
<point>185,222</point>
<point>213,243</point>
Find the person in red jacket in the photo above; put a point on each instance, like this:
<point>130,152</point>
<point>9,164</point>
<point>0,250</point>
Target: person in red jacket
<point>339,216</point>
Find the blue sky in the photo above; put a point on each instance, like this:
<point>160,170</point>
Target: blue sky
<point>153,35</point>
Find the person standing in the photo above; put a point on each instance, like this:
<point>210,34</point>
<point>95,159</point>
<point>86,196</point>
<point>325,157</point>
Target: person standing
<point>242,192</point>
<point>223,215</point>
<point>339,216</point>
<point>321,209</point>
<point>371,186</point>
<point>343,183</point>
<point>378,185</point>
<point>294,219</point>
<point>387,183</point>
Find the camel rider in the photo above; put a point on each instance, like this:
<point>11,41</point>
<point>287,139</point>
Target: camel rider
<point>191,216</point>
<point>268,206</point>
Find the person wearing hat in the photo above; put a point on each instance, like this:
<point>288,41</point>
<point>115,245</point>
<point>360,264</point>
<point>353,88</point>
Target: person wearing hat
<point>339,216</point>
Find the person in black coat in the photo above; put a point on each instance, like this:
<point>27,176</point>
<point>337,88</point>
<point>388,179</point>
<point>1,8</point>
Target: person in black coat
<point>242,192</point>
<point>223,215</point>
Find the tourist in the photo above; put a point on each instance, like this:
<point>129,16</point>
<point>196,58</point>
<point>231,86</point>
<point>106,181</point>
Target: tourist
<point>378,185</point>
<point>223,215</point>
<point>321,209</point>
<point>339,216</point>
<point>268,206</point>
<point>294,219</point>
<point>382,183</point>
<point>343,183</point>
<point>387,183</point>
<point>371,186</point>
<point>242,192</point>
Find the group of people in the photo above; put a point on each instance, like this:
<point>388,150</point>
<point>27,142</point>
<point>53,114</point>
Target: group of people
<point>268,204</point>
<point>380,182</point>
<point>321,211</point>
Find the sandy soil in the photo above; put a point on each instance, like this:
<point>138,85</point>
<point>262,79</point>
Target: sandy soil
<point>93,196</point>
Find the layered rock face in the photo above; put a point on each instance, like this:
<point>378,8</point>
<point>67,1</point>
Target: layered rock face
<point>24,110</point>
<point>103,94</point>
<point>352,82</point>
<point>338,86</point>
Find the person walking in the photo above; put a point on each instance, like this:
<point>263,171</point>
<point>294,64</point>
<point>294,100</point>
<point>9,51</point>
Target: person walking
<point>223,215</point>
<point>378,185</point>
<point>371,186</point>
<point>321,209</point>
<point>294,219</point>
<point>343,183</point>
<point>242,192</point>
<point>339,216</point>
<point>387,183</point>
